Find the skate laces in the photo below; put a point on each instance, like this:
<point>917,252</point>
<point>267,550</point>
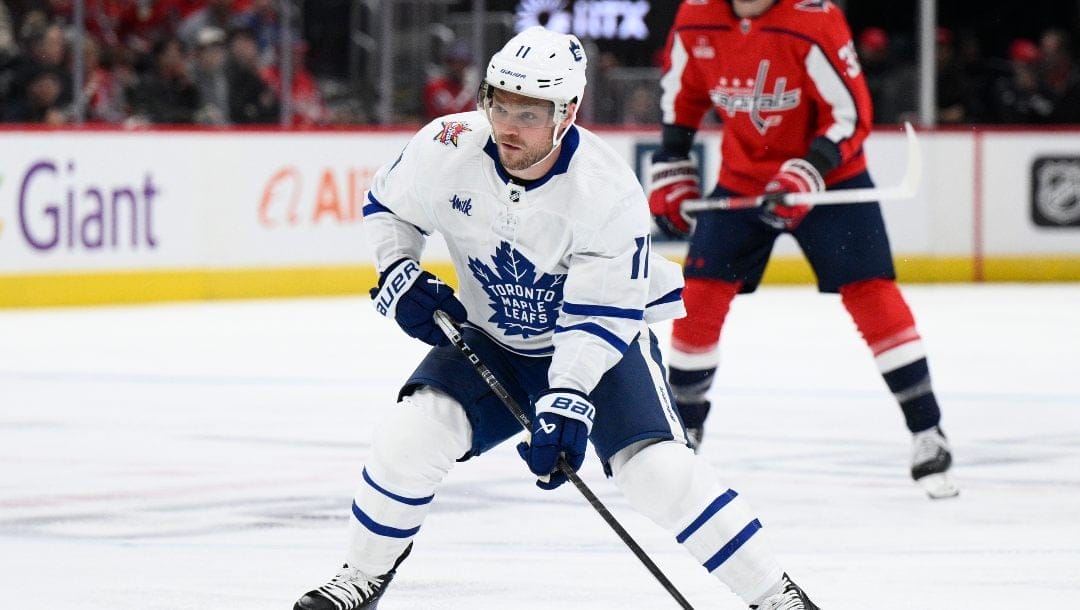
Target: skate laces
<point>352,586</point>
<point>927,445</point>
<point>788,600</point>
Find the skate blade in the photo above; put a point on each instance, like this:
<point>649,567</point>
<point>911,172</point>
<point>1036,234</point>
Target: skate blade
<point>938,486</point>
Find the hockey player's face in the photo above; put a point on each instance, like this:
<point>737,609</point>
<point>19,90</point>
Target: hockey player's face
<point>750,8</point>
<point>523,128</point>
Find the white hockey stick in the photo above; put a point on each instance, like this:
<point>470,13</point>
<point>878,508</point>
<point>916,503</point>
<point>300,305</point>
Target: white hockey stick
<point>905,190</point>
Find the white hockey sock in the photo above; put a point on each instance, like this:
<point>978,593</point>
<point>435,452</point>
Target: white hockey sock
<point>679,491</point>
<point>412,452</point>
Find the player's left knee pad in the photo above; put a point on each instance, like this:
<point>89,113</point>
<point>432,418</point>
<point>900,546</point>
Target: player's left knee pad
<point>887,326</point>
<point>665,481</point>
<point>878,309</point>
<point>678,490</point>
<point>885,322</point>
<point>412,451</point>
<point>418,443</point>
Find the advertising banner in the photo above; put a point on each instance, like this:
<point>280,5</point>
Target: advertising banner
<point>105,216</point>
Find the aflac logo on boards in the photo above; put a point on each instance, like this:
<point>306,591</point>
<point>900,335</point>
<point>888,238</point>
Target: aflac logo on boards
<point>337,196</point>
<point>523,304</point>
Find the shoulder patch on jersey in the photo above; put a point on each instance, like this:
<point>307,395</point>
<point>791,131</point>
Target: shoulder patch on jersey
<point>813,6</point>
<point>523,304</point>
<point>702,48</point>
<point>450,131</point>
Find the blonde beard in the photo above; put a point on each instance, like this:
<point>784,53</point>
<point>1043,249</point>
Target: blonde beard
<point>529,158</point>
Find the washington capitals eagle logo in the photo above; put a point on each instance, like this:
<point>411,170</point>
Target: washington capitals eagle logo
<point>450,132</point>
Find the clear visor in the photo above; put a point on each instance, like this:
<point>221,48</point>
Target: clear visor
<point>509,109</point>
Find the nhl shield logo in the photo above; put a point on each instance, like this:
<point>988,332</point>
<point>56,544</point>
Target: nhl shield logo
<point>450,132</point>
<point>515,195</point>
<point>1055,192</point>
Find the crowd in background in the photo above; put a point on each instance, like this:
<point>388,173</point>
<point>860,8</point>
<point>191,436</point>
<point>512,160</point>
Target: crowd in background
<point>209,62</point>
<point>217,62</point>
<point>1034,81</point>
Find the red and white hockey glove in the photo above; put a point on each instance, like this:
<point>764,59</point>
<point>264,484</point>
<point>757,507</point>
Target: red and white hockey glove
<point>671,182</point>
<point>795,176</point>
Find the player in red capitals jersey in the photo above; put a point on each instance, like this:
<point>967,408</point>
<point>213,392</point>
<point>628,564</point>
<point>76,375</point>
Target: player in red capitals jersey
<point>784,78</point>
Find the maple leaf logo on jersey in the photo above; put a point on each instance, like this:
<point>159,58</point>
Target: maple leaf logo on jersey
<point>450,132</point>
<point>523,304</point>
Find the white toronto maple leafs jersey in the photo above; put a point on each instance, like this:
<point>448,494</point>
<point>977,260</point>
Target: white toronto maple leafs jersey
<point>560,267</point>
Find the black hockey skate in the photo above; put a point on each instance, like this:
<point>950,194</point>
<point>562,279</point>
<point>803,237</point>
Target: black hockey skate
<point>350,589</point>
<point>931,459</point>
<point>791,598</point>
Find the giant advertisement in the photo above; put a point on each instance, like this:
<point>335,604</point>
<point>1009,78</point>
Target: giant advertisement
<point>99,201</point>
<point>196,214</point>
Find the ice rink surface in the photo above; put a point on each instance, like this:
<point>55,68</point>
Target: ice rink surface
<point>203,456</point>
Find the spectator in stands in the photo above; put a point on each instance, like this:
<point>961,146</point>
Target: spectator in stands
<point>10,54</point>
<point>216,13</point>
<point>977,76</point>
<point>877,65</point>
<point>606,93</point>
<point>8,46</point>
<point>251,100</point>
<point>642,106</point>
<point>1060,75</point>
<point>40,100</point>
<point>952,86</point>
<point>137,24</point>
<point>455,89</point>
<point>102,94</point>
<point>48,51</point>
<point>167,95</point>
<point>308,107</point>
<point>211,77</point>
<point>263,21</point>
<point>1018,95</point>
<point>1058,70</point>
<point>894,86</point>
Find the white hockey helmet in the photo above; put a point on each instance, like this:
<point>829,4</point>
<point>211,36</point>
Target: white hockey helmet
<point>538,63</point>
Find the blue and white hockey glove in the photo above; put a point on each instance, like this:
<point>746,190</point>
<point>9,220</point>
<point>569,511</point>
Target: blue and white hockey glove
<point>410,296</point>
<point>563,421</point>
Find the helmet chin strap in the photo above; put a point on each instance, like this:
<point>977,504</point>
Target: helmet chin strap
<point>556,139</point>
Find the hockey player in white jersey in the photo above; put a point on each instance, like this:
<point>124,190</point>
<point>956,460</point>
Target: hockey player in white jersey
<point>548,230</point>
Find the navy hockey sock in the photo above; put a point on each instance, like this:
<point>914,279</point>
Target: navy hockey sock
<point>910,384</point>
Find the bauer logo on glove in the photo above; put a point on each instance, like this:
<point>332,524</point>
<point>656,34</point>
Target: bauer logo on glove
<point>410,296</point>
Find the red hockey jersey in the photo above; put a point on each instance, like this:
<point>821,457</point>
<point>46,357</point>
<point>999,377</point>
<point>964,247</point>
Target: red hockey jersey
<point>778,81</point>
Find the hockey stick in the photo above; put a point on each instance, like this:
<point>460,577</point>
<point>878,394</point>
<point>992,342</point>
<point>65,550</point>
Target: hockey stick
<point>907,188</point>
<point>454,335</point>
